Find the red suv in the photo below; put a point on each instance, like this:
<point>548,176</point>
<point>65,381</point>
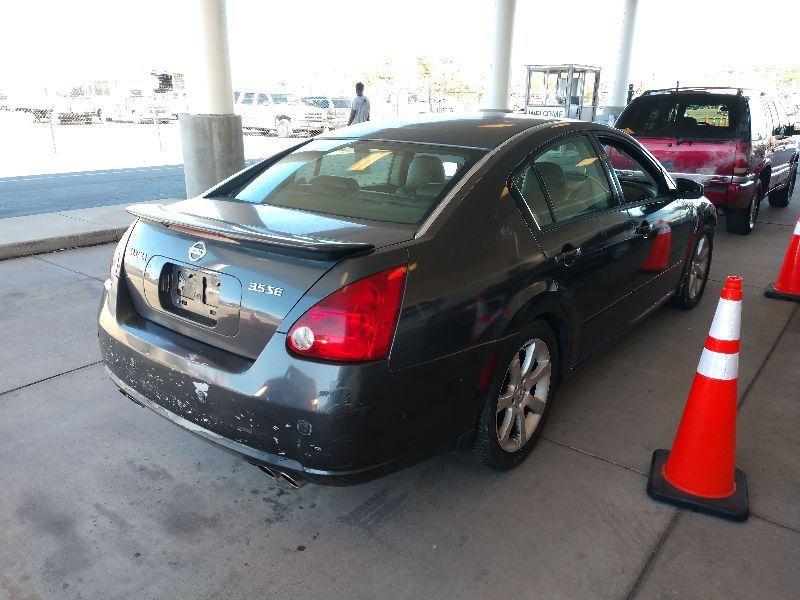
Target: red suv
<point>737,143</point>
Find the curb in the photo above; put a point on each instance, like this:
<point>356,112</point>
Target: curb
<point>61,242</point>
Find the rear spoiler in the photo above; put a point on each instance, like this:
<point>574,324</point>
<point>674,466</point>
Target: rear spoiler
<point>217,228</point>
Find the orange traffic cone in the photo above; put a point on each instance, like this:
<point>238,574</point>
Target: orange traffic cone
<point>699,472</point>
<point>787,287</point>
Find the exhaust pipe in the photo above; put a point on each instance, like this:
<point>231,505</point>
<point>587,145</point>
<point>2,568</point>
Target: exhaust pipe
<point>294,481</point>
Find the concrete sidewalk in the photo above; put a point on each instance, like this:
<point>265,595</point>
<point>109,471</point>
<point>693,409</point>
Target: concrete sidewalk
<point>37,234</point>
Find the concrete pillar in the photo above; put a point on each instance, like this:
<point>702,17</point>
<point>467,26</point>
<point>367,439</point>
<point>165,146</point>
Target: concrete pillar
<point>497,100</point>
<point>619,94</point>
<point>211,135</point>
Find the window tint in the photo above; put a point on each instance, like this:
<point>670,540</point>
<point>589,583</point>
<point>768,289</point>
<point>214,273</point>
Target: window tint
<point>682,115</point>
<point>381,181</point>
<point>574,179</point>
<point>318,101</point>
<point>530,189</point>
<point>283,98</point>
<point>636,179</point>
<point>758,121</point>
<point>248,97</point>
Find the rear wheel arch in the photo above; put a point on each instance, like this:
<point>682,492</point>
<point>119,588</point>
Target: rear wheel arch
<point>546,308</point>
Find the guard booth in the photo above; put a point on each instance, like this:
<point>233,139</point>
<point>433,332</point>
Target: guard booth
<point>562,91</point>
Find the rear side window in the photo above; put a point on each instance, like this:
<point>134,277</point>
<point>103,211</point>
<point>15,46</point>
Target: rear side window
<point>682,115</point>
<point>529,187</point>
<point>262,99</point>
<point>248,97</point>
<point>379,181</point>
<point>574,179</point>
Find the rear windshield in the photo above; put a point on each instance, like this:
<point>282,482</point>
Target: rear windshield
<point>379,181</point>
<point>687,116</point>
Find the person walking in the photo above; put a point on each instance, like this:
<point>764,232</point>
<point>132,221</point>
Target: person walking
<point>359,107</point>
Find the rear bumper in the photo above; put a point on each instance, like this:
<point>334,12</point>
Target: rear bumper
<point>335,424</point>
<point>725,191</point>
<point>248,453</point>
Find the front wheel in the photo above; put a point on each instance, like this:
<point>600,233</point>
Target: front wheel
<point>781,198</point>
<point>694,282</point>
<point>519,399</point>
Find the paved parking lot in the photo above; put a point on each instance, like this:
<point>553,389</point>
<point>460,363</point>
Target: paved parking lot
<point>102,499</point>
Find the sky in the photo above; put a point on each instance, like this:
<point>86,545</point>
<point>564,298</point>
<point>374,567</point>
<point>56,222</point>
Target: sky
<point>55,43</point>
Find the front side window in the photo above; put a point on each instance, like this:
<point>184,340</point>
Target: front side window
<point>381,181</point>
<point>636,177</point>
<point>574,179</point>
<point>317,101</point>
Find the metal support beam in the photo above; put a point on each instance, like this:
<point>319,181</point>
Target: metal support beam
<point>620,91</point>
<point>501,56</point>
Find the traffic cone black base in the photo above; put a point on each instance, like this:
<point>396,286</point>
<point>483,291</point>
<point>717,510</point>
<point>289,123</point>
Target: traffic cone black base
<point>771,292</point>
<point>735,507</point>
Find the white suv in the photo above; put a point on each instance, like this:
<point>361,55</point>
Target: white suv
<point>280,113</point>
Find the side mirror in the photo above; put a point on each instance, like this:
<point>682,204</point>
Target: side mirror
<point>688,189</point>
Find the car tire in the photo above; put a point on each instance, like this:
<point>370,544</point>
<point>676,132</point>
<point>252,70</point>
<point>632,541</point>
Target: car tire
<point>284,128</point>
<point>497,440</point>
<point>742,222</point>
<point>780,198</point>
<point>694,280</point>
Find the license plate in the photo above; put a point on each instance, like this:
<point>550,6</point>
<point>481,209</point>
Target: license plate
<point>195,291</point>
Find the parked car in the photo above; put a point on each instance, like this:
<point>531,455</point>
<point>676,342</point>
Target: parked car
<point>336,107</point>
<point>279,113</point>
<point>137,108</point>
<point>375,296</point>
<point>738,143</point>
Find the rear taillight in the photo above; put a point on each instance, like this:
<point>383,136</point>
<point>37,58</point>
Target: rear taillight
<point>741,166</point>
<point>355,323</point>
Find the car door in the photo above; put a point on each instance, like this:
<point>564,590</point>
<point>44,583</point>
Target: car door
<point>663,225</point>
<point>781,147</point>
<point>583,231</point>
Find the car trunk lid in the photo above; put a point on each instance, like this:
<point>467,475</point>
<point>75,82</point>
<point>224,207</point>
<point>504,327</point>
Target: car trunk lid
<point>227,272</point>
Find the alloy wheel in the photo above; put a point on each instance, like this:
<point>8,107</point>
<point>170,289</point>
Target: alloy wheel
<point>523,395</point>
<point>698,269</point>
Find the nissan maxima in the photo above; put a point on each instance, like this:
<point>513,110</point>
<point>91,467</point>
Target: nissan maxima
<point>392,291</point>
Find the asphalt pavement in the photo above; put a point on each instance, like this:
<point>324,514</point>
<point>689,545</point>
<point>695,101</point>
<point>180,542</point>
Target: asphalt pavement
<point>36,194</point>
<point>100,498</point>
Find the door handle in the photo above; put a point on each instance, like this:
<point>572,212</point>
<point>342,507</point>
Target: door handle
<point>644,229</point>
<point>569,254</point>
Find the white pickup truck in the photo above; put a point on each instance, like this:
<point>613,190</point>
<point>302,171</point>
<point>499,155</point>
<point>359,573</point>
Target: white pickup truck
<point>281,113</point>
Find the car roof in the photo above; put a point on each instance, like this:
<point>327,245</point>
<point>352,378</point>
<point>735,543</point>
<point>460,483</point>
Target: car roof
<point>484,131</point>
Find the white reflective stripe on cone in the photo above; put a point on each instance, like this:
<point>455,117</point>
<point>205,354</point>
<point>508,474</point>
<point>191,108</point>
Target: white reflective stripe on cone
<point>717,365</point>
<point>727,320</point>
<point>797,227</point>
